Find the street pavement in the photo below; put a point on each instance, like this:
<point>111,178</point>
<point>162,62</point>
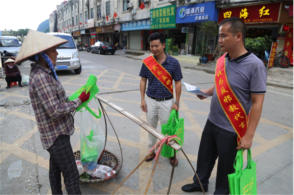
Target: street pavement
<point>24,164</point>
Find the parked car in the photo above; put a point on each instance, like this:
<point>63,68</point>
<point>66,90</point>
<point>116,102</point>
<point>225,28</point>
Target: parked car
<point>9,47</point>
<point>103,48</point>
<point>68,55</point>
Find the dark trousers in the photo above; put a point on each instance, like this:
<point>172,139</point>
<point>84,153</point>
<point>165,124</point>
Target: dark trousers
<point>10,79</point>
<point>216,143</point>
<point>62,161</point>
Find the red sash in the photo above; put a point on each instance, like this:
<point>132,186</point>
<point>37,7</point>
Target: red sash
<point>228,100</point>
<point>159,72</point>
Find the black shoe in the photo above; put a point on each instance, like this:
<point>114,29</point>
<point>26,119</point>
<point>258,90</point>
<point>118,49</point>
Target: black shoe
<point>20,85</point>
<point>192,188</point>
<point>7,87</point>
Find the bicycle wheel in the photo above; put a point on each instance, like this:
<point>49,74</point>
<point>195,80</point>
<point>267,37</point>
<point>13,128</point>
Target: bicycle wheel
<point>283,61</point>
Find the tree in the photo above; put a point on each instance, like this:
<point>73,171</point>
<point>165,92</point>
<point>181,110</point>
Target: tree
<point>209,28</point>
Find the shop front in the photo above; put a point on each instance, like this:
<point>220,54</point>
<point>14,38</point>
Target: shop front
<point>163,20</point>
<point>260,20</point>
<point>135,34</point>
<point>77,37</point>
<point>90,39</point>
<point>189,19</point>
<point>104,33</point>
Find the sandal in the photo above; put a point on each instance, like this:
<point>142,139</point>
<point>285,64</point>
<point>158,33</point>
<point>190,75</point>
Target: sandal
<point>172,162</point>
<point>150,158</point>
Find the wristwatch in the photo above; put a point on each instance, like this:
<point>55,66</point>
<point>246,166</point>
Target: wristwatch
<point>177,104</point>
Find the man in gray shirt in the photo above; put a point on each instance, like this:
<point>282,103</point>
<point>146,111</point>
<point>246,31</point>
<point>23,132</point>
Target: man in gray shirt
<point>246,75</point>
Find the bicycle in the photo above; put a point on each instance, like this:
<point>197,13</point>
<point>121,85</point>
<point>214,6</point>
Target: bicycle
<point>280,60</point>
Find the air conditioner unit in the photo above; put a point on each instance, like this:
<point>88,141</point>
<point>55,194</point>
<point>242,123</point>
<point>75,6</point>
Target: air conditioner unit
<point>194,1</point>
<point>134,11</point>
<point>146,1</point>
<point>102,15</point>
<point>172,1</point>
<point>130,5</point>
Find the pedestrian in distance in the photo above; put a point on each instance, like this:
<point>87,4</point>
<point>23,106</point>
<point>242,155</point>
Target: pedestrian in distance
<point>53,112</point>
<point>160,70</point>
<point>12,73</point>
<point>239,89</point>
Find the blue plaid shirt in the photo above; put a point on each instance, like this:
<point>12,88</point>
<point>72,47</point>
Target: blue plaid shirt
<point>155,87</point>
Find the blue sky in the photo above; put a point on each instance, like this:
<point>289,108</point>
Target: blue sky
<point>20,14</point>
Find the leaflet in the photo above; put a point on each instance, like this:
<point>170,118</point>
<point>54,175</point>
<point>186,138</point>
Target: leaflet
<point>194,89</point>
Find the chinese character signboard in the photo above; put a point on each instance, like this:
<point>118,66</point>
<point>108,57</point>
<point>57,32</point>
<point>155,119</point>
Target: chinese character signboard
<point>197,13</point>
<point>136,25</point>
<point>105,29</point>
<point>253,14</point>
<point>272,55</point>
<point>288,47</point>
<point>164,17</point>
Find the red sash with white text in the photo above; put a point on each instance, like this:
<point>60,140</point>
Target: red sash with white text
<point>228,100</point>
<point>159,72</point>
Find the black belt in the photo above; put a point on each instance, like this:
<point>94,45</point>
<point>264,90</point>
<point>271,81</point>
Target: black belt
<point>161,99</point>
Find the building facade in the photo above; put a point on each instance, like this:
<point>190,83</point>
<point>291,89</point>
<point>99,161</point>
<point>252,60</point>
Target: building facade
<point>130,22</point>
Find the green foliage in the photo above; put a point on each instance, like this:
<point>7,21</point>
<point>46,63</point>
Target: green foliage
<point>209,28</point>
<point>19,32</point>
<point>175,48</point>
<point>259,44</point>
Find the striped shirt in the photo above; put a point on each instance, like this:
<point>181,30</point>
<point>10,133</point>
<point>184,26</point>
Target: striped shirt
<point>155,87</point>
<point>49,102</point>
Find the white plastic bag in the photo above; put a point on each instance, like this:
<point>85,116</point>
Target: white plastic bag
<point>92,138</point>
<point>25,80</point>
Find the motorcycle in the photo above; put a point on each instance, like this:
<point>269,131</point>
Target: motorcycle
<point>280,59</point>
<point>88,48</point>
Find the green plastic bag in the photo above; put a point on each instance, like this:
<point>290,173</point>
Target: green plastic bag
<point>243,181</point>
<point>89,87</point>
<point>174,126</point>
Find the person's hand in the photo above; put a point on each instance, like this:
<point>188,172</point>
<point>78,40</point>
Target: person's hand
<point>245,142</point>
<point>176,107</point>
<point>143,106</point>
<point>84,97</point>
<point>203,97</point>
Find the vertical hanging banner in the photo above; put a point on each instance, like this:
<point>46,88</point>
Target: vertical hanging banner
<point>168,45</point>
<point>273,52</point>
<point>163,17</point>
<point>288,47</point>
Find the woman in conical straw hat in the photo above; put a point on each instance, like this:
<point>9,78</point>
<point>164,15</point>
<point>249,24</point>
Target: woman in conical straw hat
<point>53,111</point>
<point>12,73</point>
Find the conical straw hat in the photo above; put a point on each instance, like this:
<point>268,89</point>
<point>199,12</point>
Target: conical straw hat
<point>9,60</point>
<point>37,42</point>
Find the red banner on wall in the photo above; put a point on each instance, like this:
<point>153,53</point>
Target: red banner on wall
<point>272,55</point>
<point>252,14</point>
<point>288,46</point>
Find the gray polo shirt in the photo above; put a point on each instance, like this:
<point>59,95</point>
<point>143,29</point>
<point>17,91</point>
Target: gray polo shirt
<point>246,75</point>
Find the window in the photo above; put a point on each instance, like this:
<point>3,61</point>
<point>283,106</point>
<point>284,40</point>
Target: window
<point>73,21</point>
<point>99,11</point>
<point>69,45</point>
<point>125,5</point>
<point>86,14</point>
<point>72,7</point>
<point>77,21</point>
<point>108,8</point>
<point>92,13</point>
<point>81,17</point>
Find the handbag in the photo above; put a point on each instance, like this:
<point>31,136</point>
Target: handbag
<point>243,181</point>
<point>174,126</point>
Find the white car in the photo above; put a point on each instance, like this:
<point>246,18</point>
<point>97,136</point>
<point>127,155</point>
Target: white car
<point>68,55</point>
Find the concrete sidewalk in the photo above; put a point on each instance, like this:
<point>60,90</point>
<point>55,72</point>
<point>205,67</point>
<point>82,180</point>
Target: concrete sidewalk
<point>280,77</point>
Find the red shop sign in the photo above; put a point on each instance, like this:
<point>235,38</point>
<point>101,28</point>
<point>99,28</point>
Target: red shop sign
<point>252,14</point>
